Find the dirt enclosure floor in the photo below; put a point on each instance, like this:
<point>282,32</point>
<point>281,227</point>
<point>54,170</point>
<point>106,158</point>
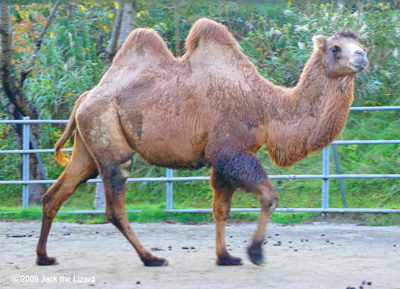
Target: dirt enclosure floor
<point>320,255</point>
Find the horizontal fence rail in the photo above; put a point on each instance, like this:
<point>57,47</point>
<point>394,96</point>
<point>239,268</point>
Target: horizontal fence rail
<point>170,179</point>
<point>341,142</point>
<point>193,179</point>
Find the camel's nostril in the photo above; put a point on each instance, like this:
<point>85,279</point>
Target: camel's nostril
<point>360,52</point>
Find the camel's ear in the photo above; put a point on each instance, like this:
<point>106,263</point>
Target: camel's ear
<point>319,42</point>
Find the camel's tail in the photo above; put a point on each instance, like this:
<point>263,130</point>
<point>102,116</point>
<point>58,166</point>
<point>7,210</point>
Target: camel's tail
<point>69,130</point>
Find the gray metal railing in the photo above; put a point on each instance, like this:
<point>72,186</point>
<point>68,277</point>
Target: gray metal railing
<point>169,179</point>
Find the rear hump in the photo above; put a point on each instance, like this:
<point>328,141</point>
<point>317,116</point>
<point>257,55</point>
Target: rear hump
<point>210,30</point>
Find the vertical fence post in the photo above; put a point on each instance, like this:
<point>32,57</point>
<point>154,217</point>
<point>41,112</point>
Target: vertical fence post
<point>339,172</point>
<point>25,163</point>
<point>325,181</point>
<point>169,187</point>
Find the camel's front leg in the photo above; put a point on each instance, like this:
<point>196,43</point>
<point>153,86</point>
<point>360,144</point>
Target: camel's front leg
<point>223,192</point>
<point>268,197</point>
<point>244,171</point>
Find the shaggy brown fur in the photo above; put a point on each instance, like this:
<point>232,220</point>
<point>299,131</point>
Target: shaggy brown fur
<point>204,31</point>
<point>209,107</point>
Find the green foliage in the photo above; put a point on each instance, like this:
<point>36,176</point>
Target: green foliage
<point>277,39</point>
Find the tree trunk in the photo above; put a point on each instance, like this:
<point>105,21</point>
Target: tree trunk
<point>123,25</point>
<point>36,191</point>
<point>111,49</point>
<point>177,36</point>
<point>100,197</point>
<point>128,19</point>
<point>13,114</point>
<point>18,104</point>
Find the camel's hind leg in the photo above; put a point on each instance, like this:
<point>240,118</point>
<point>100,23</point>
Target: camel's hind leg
<point>79,170</point>
<point>114,158</point>
<point>114,175</point>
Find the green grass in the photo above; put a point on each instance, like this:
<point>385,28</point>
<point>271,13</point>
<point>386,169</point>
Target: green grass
<point>157,213</point>
<point>151,213</point>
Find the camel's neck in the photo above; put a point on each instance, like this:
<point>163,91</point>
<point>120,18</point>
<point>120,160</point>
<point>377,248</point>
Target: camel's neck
<point>308,117</point>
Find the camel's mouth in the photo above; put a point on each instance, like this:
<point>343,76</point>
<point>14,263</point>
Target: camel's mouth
<point>358,66</point>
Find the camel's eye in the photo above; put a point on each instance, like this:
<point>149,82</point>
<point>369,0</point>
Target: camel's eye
<point>335,50</point>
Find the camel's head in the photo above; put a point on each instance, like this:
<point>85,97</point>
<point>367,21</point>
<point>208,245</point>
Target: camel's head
<point>342,54</point>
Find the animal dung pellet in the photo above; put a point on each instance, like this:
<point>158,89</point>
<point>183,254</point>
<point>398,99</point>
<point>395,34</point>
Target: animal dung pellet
<point>19,235</point>
<point>156,249</point>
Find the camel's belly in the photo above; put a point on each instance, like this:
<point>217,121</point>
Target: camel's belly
<point>173,150</point>
<point>175,157</point>
<point>168,136</point>
<point>180,164</point>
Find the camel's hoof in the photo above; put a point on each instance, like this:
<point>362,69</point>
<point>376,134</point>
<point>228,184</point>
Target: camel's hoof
<point>229,261</point>
<point>155,262</point>
<point>45,261</point>
<point>255,254</point>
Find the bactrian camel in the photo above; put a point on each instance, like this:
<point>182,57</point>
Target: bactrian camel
<point>209,107</point>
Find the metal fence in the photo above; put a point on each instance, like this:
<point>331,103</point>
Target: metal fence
<point>169,179</point>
